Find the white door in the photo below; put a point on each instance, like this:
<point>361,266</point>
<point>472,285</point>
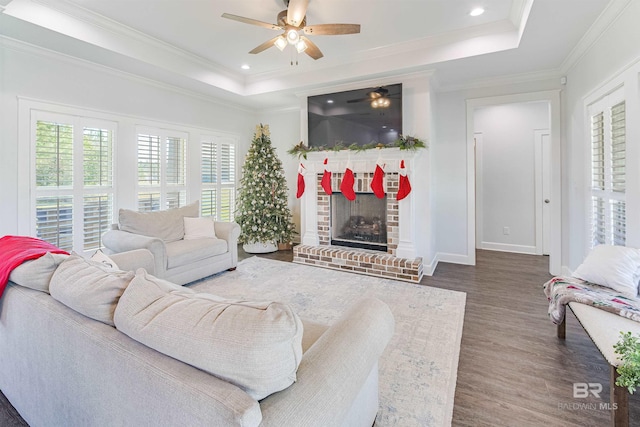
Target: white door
<point>543,203</point>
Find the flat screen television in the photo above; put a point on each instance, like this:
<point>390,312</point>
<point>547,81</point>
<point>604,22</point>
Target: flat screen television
<point>362,116</point>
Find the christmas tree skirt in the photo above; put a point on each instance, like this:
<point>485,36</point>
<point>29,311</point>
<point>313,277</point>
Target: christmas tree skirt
<point>260,247</point>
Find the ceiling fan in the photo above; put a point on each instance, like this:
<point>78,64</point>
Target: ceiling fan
<point>379,98</point>
<point>293,23</point>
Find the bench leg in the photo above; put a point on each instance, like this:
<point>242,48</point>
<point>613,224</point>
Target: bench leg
<point>619,400</point>
<point>562,329</point>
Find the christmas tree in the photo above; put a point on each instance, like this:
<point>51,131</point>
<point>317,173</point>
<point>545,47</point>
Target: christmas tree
<point>262,210</point>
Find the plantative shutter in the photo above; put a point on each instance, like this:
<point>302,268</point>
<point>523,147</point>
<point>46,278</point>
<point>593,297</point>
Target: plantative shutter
<point>597,151</point>
<point>608,170</point>
<point>54,220</point>
<point>98,210</point>
<point>97,157</point>
<point>54,172</point>
<point>618,222</point>
<point>148,159</point>
<point>618,147</point>
<point>598,221</point>
<point>175,161</point>
<point>98,177</point>
<point>218,172</point>
<point>227,164</point>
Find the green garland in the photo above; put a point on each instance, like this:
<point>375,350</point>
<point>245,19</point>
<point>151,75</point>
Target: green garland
<point>403,143</point>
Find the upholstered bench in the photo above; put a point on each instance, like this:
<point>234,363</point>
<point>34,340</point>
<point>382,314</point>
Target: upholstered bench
<point>604,330</point>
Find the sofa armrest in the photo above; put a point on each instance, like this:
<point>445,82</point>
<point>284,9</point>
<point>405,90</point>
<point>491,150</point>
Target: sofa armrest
<point>334,369</point>
<point>116,241</point>
<point>229,231</point>
<point>132,260</point>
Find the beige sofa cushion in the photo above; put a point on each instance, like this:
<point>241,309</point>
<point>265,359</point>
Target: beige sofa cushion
<point>254,345</point>
<point>183,252</point>
<point>167,225</point>
<point>89,287</point>
<point>36,274</point>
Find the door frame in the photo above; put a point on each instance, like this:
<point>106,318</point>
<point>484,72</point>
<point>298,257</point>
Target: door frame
<point>553,98</point>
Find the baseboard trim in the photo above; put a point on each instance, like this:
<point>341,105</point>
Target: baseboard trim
<point>504,247</point>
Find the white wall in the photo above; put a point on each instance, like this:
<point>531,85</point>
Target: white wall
<point>610,57</point>
<point>505,175</point>
<point>30,72</point>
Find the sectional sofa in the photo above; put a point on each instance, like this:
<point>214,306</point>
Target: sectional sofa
<point>61,367</point>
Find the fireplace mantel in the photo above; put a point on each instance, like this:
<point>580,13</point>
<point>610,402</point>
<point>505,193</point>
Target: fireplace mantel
<point>365,162</point>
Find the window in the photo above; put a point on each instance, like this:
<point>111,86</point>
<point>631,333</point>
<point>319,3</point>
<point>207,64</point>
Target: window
<point>218,170</point>
<point>608,170</point>
<point>73,180</point>
<point>161,170</point>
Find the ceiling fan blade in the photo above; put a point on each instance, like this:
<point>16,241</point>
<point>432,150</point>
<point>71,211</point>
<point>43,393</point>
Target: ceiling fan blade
<point>251,21</point>
<point>312,50</point>
<point>264,46</point>
<point>358,100</point>
<point>296,12</point>
<point>331,29</point>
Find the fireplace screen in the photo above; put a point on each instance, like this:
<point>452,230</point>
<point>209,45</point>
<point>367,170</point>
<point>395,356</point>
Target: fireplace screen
<point>360,223</point>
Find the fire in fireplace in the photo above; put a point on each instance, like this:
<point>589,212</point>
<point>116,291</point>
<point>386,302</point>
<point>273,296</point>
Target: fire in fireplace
<point>360,223</point>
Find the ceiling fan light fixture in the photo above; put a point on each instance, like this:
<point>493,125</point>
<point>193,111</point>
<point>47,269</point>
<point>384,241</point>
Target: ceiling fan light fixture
<point>381,102</point>
<point>301,46</point>
<point>293,37</point>
<point>280,43</point>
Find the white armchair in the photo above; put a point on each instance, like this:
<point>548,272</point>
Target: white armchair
<point>177,258</point>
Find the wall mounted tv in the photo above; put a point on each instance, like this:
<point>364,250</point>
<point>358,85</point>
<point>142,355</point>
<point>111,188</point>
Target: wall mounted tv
<point>361,116</point>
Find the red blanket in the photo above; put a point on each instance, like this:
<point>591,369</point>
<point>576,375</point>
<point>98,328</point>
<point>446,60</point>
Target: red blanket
<point>14,250</point>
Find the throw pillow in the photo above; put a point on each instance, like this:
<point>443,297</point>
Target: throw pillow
<point>36,274</point>
<point>167,225</point>
<point>199,228</point>
<point>101,257</point>
<point>254,345</point>
<point>88,287</point>
<point>615,267</point>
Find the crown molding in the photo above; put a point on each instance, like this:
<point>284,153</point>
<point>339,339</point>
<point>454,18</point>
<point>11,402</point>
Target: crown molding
<point>605,20</point>
<point>82,24</point>
<point>24,47</point>
<point>502,81</point>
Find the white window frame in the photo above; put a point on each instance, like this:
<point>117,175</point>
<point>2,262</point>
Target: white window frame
<point>77,191</point>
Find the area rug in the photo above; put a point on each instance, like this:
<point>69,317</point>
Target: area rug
<point>418,369</point>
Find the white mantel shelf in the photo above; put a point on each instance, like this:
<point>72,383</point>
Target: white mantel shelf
<point>361,161</point>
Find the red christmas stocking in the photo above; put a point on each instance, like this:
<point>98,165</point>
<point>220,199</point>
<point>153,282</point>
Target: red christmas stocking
<point>376,183</point>
<point>405,185</point>
<point>326,179</point>
<point>300,191</point>
<point>346,186</point>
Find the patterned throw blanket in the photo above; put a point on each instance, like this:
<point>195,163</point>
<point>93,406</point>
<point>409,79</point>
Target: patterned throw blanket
<point>560,291</point>
<point>14,250</point>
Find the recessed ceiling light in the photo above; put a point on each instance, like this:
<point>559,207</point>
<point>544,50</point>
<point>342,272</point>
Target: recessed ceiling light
<point>384,126</point>
<point>477,11</point>
<point>329,101</point>
<point>245,67</point>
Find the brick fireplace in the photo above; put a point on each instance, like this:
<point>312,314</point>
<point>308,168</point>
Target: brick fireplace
<point>399,261</point>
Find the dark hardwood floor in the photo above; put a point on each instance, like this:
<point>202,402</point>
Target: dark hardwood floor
<point>513,371</point>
